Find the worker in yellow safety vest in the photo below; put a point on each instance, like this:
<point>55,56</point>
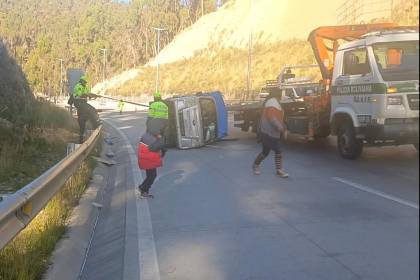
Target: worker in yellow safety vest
<point>81,90</point>
<point>121,105</point>
<point>158,109</point>
<point>158,118</point>
<point>85,112</point>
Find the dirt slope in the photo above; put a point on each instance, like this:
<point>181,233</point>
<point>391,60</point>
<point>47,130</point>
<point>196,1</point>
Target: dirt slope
<point>269,20</point>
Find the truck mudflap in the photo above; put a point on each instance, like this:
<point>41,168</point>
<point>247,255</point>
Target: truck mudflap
<point>400,131</point>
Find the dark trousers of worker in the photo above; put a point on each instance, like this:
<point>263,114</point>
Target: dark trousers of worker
<point>85,112</point>
<point>148,181</point>
<point>82,127</point>
<point>268,144</point>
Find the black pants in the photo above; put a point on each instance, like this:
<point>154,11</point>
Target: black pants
<point>278,157</point>
<point>82,127</point>
<point>148,181</point>
<point>85,112</point>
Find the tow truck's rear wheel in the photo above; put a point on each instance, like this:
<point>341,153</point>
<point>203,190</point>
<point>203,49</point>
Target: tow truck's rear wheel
<point>349,146</point>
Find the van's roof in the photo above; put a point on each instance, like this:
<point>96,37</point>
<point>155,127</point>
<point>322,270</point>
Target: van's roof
<point>382,37</point>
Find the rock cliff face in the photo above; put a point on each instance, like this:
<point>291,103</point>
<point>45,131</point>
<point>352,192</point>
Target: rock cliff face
<point>15,95</point>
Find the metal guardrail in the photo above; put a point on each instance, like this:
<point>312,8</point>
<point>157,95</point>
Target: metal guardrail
<point>18,209</point>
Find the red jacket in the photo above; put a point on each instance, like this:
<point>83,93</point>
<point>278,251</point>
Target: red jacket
<point>148,159</point>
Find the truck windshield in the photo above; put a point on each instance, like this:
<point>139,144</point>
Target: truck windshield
<point>398,61</point>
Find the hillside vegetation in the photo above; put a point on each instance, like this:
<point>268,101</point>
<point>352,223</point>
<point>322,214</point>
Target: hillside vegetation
<point>222,69</point>
<point>35,35</point>
<point>40,33</point>
<point>222,66</point>
<point>33,134</point>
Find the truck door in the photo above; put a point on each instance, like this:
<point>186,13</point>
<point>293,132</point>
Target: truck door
<point>189,128</point>
<point>354,86</point>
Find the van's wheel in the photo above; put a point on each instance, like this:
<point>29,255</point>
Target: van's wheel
<point>349,146</point>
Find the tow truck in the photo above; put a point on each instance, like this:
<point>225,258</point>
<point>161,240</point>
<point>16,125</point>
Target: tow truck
<point>368,93</point>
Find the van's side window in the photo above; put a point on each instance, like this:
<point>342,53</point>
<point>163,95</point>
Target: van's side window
<point>356,62</point>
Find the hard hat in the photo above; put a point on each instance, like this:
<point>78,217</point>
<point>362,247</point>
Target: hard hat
<point>157,95</point>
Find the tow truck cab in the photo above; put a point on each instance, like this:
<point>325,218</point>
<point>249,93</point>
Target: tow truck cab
<point>375,91</point>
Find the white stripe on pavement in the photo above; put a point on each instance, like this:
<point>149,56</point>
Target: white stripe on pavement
<point>376,192</point>
<point>148,264</point>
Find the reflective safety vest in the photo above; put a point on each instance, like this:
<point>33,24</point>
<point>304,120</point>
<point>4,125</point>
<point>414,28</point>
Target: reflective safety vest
<point>158,110</point>
<point>80,91</point>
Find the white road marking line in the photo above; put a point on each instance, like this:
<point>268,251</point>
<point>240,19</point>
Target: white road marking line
<point>148,264</point>
<point>126,127</point>
<point>376,192</point>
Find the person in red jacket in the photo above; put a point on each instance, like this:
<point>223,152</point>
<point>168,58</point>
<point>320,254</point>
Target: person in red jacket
<point>151,150</point>
<point>150,153</point>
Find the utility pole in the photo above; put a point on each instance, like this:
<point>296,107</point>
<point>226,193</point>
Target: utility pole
<point>158,30</point>
<point>61,78</point>
<point>248,83</point>
<point>202,7</point>
<point>104,64</point>
<point>147,50</point>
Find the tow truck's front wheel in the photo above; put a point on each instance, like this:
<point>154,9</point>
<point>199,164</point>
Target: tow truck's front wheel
<point>349,146</point>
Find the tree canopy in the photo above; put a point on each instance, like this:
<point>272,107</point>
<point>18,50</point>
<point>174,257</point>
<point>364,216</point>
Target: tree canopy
<point>40,33</point>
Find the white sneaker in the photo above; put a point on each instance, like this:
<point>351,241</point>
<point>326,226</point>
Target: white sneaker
<point>282,174</point>
<point>257,170</point>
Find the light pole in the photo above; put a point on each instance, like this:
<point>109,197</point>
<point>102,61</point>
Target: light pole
<point>248,83</point>
<point>104,64</point>
<point>158,29</point>
<point>61,78</point>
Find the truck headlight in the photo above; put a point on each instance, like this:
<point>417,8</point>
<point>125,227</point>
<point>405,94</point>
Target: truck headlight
<point>394,100</point>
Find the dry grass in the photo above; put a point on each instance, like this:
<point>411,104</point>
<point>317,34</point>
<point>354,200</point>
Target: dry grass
<point>222,69</point>
<point>26,257</point>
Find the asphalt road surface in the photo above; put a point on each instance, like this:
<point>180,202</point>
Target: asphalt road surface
<point>212,218</point>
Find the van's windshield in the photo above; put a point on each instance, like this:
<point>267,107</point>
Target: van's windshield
<point>398,61</point>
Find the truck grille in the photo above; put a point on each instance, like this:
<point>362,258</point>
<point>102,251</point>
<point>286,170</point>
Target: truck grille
<point>413,101</point>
